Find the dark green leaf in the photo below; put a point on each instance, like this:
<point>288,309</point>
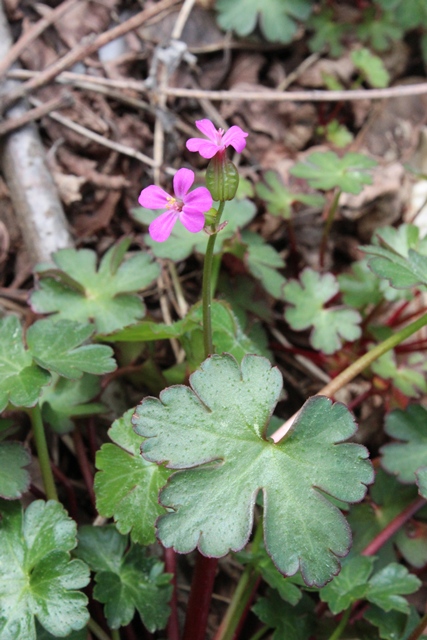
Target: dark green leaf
<point>405,457</point>
<point>14,479</point>
<point>37,577</point>
<point>125,581</point>
<point>78,291</point>
<point>297,622</point>
<point>58,346</point>
<point>214,433</point>
<point>126,485</point>
<point>21,380</point>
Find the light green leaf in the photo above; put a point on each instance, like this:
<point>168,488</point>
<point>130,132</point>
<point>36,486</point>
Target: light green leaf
<point>125,581</point>
<point>408,375</point>
<point>37,577</point>
<point>66,399</point>
<point>405,457</point>
<point>371,67</point>
<point>360,287</point>
<point>14,479</point>
<point>401,256</point>
<point>388,585</point>
<point>42,634</point>
<point>326,170</point>
<point>421,478</point>
<point>58,346</point>
<point>182,243</point>
<point>263,262</point>
<point>215,434</point>
<point>126,485</point>
<point>330,326</point>
<point>276,17</point>
<point>21,380</point>
<point>349,586</point>
<point>279,198</point>
<point>78,291</point>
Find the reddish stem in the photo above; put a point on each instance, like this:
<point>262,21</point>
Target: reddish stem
<point>84,463</point>
<point>247,608</point>
<point>416,345</point>
<point>72,502</point>
<point>398,312</point>
<point>393,526</point>
<point>200,598</point>
<point>170,567</point>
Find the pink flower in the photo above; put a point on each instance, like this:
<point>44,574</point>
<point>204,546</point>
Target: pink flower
<point>218,140</point>
<point>189,208</point>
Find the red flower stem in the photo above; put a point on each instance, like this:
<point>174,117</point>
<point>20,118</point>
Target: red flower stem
<point>398,312</point>
<point>200,598</point>
<point>393,526</point>
<point>173,622</point>
<point>416,345</point>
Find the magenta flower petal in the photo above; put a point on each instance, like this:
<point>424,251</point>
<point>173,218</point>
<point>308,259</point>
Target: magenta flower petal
<point>153,197</point>
<point>200,199</point>
<point>208,129</point>
<point>160,229</point>
<point>205,148</point>
<point>235,137</point>
<point>182,181</point>
<point>192,219</point>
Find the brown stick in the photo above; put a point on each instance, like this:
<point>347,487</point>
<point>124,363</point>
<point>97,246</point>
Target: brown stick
<point>33,33</point>
<point>7,126</point>
<point>89,45</point>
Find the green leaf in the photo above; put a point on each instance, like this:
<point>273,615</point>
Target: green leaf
<point>379,29</point>
<point>126,485</point>
<point>279,198</point>
<point>328,33</point>
<point>78,291</point>
<point>14,479</point>
<point>58,346</point>
<point>349,586</point>
<point>337,134</point>
<point>407,375</point>
<point>263,261</point>
<point>387,586</point>
<point>328,171</point>
<point>125,581</point>
<point>42,634</point>
<point>296,622</point>
<point>405,457</point>
<point>276,17</point>
<point>360,287</point>
<point>182,243</point>
<point>66,399</point>
<point>395,625</point>
<point>215,434</point>
<point>330,326</point>
<point>371,67</point>
<point>401,257</point>
<point>421,478</point>
<point>37,577</point>
<point>21,380</point>
<point>384,588</point>
<point>286,587</point>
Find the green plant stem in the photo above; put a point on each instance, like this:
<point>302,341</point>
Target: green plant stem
<point>342,625</point>
<point>259,634</point>
<point>358,366</point>
<point>329,220</point>
<point>42,452</point>
<point>207,286</point>
<point>99,632</point>
<point>242,593</point>
<point>115,634</point>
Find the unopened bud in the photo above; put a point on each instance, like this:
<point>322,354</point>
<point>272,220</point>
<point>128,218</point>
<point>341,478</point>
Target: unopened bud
<point>222,178</point>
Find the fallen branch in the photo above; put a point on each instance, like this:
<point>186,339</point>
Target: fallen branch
<point>64,101</point>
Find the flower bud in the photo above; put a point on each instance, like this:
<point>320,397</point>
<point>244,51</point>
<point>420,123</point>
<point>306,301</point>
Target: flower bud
<point>222,178</point>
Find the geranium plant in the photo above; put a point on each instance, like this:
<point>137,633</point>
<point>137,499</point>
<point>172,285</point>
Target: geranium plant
<point>202,464</point>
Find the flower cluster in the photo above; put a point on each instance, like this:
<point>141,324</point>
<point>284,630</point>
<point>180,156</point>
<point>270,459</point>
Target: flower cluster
<point>189,206</point>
